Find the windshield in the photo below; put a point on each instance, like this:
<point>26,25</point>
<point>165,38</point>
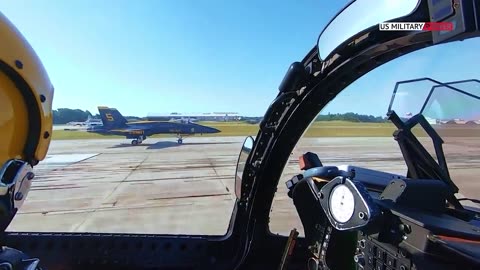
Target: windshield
<point>451,108</point>
<point>441,104</point>
<point>153,101</point>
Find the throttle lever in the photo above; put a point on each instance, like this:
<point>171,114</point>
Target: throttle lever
<point>328,173</point>
<point>309,160</point>
<point>313,167</point>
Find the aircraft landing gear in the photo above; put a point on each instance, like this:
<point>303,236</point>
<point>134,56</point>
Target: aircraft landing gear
<point>137,141</point>
<point>179,139</point>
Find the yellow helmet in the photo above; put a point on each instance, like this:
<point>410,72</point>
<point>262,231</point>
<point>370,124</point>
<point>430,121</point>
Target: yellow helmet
<point>26,95</point>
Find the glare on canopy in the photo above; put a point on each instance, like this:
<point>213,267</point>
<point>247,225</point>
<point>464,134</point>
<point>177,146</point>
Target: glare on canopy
<point>360,15</point>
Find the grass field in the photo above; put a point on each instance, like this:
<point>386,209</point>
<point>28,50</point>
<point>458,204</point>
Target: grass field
<point>317,129</point>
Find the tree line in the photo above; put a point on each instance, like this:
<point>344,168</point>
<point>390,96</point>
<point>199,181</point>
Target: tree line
<point>65,115</point>
<point>351,117</point>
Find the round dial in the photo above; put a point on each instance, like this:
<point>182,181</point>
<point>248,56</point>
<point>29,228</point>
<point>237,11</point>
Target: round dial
<point>342,203</point>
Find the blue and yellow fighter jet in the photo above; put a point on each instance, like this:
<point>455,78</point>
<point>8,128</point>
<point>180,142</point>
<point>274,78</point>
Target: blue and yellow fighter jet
<point>115,124</point>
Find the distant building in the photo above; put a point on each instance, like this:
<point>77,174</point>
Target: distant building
<point>432,121</point>
<point>461,122</point>
<point>192,117</point>
<point>93,122</point>
<point>90,122</point>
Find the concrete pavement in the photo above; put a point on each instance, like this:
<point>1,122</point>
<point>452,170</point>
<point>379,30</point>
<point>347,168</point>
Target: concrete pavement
<point>110,186</point>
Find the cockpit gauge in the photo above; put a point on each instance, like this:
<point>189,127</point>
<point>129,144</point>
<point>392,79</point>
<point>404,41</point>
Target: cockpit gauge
<point>347,204</point>
<point>342,203</point>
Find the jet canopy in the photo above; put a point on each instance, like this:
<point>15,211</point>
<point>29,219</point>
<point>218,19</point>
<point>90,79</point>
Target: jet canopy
<point>455,102</point>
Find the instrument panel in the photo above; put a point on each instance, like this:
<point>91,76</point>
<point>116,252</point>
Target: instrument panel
<point>374,255</point>
<point>398,226</point>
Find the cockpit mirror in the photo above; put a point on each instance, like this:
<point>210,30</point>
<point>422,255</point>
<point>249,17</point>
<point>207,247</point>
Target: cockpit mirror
<point>242,159</point>
<point>357,16</point>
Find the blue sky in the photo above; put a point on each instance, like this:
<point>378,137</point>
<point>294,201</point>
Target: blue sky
<point>164,55</point>
<point>160,56</point>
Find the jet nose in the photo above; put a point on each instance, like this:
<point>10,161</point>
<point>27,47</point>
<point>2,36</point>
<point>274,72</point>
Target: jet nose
<point>212,130</point>
<point>204,129</point>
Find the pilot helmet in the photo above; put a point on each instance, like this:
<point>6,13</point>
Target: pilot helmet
<point>26,95</point>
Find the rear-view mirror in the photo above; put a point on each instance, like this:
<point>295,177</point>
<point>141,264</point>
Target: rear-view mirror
<point>242,159</point>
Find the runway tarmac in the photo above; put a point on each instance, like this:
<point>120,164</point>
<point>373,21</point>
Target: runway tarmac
<point>161,187</point>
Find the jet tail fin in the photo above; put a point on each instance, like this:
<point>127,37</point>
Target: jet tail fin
<point>111,118</point>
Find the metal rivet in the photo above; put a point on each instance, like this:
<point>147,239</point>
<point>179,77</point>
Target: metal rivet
<point>42,98</point>
<point>18,196</point>
<point>18,64</point>
<point>46,135</point>
<point>30,175</point>
<point>362,215</point>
